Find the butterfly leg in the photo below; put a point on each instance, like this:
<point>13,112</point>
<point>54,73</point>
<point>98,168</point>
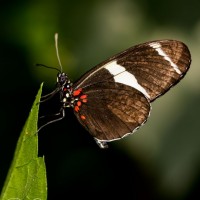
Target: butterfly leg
<point>62,115</point>
<point>101,144</point>
<point>49,96</point>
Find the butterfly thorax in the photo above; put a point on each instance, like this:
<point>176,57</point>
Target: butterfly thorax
<point>69,96</point>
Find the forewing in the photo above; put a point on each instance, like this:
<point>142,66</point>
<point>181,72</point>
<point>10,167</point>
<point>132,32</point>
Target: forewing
<point>156,67</point>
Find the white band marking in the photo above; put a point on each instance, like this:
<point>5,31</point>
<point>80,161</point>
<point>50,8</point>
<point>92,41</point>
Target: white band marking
<point>157,47</point>
<point>122,76</point>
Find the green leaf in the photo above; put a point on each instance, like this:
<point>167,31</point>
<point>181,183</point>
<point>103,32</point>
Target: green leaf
<point>26,178</point>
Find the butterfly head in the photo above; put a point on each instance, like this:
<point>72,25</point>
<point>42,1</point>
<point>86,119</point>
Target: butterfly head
<point>63,80</point>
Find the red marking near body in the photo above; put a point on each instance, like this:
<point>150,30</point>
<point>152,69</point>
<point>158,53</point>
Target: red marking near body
<point>78,103</point>
<point>84,100</point>
<point>76,108</point>
<point>77,92</point>
<point>83,117</point>
<point>84,96</point>
<point>65,89</point>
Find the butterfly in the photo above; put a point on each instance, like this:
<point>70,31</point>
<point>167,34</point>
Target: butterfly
<point>113,99</point>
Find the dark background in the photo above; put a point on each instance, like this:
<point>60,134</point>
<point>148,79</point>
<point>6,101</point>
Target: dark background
<point>162,159</point>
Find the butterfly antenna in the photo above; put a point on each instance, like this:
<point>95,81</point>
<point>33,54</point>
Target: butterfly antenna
<point>41,65</point>
<point>57,53</point>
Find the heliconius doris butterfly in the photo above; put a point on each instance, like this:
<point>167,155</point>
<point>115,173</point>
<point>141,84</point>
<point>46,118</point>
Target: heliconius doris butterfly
<point>113,99</point>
